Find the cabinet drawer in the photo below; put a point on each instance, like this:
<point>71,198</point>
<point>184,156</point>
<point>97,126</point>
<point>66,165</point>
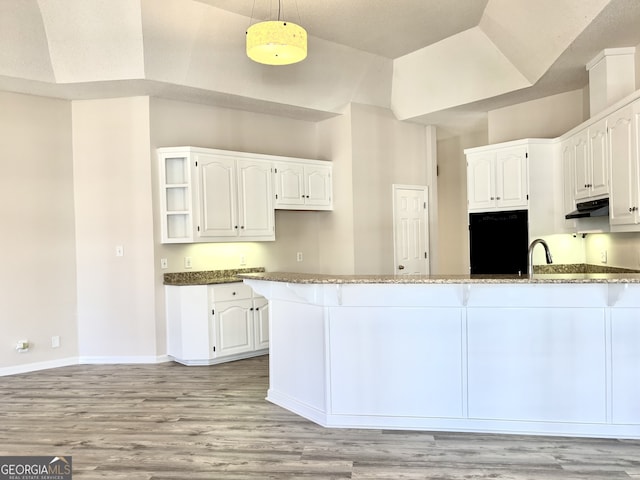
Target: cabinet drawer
<point>229,291</point>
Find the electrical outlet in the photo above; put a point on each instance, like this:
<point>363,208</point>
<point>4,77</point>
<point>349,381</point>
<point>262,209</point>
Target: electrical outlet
<point>187,262</point>
<point>164,263</point>
<point>243,260</point>
<point>55,341</point>
<point>119,251</point>
<point>22,345</point>
<point>603,256</point>
<point>299,256</point>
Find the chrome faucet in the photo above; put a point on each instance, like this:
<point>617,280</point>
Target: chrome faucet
<point>530,254</point>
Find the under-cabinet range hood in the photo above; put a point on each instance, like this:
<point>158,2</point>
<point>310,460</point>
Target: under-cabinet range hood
<point>590,208</point>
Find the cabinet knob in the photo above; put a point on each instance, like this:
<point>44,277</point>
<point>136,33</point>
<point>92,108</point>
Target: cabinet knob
<point>236,227</point>
<point>307,196</point>
<point>492,198</point>
<point>497,198</point>
<point>242,227</point>
<point>400,267</point>
<point>631,209</point>
<point>233,293</point>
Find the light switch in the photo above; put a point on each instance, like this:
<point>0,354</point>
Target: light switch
<point>119,251</point>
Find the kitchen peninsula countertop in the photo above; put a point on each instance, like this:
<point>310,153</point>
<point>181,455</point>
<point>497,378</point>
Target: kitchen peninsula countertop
<point>311,278</point>
<point>208,277</point>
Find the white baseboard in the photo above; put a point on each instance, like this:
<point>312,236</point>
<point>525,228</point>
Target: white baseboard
<point>35,366</point>
<point>65,362</point>
<point>107,360</point>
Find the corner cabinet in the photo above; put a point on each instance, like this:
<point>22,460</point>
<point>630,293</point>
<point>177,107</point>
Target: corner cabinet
<point>303,185</point>
<point>209,324</point>
<point>497,178</point>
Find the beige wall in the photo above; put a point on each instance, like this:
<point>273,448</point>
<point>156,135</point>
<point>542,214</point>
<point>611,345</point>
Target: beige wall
<point>112,172</point>
<point>453,231</point>
<point>385,152</point>
<point>38,281</point>
<point>547,117</point>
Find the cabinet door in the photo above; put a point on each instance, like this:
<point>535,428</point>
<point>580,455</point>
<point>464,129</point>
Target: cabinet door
<point>289,180</point>
<point>234,327</point>
<point>599,158</point>
<point>217,196</point>
<point>624,163</point>
<point>318,185</point>
<point>480,181</point>
<point>581,166</point>
<point>261,322</point>
<point>568,175</point>
<point>255,199</point>
<point>511,177</point>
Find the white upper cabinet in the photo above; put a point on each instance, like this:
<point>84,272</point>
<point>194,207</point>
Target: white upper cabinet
<point>303,185</point>
<point>623,135</point>
<point>235,199</point>
<point>209,195</point>
<point>497,179</point>
<point>591,158</point>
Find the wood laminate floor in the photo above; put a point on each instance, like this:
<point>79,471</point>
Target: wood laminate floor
<point>169,421</point>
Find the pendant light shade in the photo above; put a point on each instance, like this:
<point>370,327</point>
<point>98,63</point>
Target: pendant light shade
<point>276,43</point>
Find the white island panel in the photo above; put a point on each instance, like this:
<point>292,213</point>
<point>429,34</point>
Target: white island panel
<point>396,361</point>
<point>542,364</point>
<point>625,353</point>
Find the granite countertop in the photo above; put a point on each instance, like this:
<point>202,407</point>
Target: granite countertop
<point>208,277</point>
<point>618,276</point>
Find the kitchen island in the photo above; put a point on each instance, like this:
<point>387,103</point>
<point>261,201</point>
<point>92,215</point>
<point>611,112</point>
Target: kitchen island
<point>551,354</point>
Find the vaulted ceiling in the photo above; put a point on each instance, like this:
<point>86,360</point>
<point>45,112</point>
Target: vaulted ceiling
<point>443,62</point>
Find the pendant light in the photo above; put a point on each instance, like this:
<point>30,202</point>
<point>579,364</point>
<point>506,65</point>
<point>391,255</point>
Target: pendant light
<point>276,42</point>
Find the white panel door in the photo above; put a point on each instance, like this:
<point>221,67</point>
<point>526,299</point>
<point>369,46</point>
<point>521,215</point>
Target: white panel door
<point>217,196</point>
<point>582,169</point>
<point>623,155</point>
<point>234,327</point>
<point>261,322</point>
<point>599,158</point>
<point>256,217</point>
<point>481,181</point>
<point>411,230</point>
<point>511,178</point>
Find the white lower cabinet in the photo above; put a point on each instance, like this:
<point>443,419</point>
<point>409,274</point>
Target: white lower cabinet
<point>210,324</point>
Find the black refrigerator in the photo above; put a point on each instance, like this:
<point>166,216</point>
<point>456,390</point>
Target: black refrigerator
<point>498,242</point>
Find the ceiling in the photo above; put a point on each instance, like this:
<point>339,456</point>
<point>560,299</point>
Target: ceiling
<point>442,62</point>
<point>389,28</point>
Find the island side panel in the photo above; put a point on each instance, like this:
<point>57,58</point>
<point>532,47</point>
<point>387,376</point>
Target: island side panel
<point>396,361</point>
<point>297,358</point>
<point>537,364</point>
<point>625,352</point>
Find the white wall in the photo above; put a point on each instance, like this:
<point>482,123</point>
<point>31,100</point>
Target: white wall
<point>38,284</point>
<point>112,172</point>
